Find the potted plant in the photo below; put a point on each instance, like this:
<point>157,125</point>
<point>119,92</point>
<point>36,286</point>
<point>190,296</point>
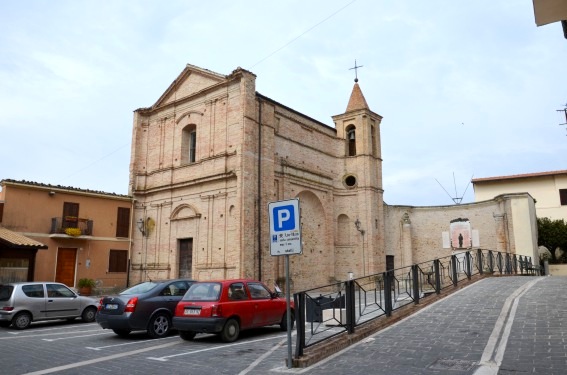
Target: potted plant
<point>73,232</point>
<point>86,286</point>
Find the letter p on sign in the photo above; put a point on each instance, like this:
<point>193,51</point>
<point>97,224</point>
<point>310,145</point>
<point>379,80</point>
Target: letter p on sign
<point>284,218</point>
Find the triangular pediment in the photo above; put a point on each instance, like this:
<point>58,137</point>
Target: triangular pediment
<point>191,80</point>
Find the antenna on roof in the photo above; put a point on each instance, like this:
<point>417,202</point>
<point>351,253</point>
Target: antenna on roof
<point>456,199</point>
<point>564,110</point>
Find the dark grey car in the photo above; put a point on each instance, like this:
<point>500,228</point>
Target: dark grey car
<point>24,302</point>
<point>147,306</point>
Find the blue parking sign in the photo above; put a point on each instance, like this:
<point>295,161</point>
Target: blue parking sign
<point>285,231</point>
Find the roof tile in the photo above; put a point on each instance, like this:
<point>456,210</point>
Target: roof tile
<point>18,240</point>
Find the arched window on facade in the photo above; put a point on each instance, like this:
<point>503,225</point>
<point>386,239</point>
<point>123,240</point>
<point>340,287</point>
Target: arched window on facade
<point>189,144</point>
<point>351,140</point>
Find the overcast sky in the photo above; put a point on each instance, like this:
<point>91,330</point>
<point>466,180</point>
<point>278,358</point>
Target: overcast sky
<point>465,87</point>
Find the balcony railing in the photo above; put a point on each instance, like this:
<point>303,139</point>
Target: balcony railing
<point>72,226</point>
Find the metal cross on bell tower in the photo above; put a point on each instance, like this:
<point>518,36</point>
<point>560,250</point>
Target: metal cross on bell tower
<point>356,70</point>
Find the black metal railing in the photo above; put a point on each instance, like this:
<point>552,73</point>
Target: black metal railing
<point>72,226</point>
<point>327,311</point>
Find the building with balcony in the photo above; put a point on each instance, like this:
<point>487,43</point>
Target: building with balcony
<point>63,234</point>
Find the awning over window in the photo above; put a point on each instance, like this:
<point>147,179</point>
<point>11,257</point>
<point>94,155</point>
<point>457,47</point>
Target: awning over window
<point>15,240</point>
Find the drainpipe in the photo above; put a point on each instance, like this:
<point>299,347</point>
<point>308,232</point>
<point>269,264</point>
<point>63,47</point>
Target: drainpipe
<point>130,239</point>
<point>259,208</point>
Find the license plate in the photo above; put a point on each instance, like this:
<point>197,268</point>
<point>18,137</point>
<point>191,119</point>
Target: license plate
<point>111,306</point>
<point>192,312</point>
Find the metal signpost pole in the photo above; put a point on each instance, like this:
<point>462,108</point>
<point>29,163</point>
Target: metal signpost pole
<point>288,313</point>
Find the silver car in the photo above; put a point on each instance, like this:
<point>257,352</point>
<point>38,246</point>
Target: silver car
<point>25,302</point>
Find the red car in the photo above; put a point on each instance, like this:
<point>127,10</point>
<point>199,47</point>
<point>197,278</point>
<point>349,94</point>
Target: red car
<point>227,307</point>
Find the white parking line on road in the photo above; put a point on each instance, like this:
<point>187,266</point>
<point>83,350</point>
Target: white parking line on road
<point>491,359</point>
<point>262,357</point>
<point>96,360</point>
<point>46,334</point>
<point>166,358</point>
<point>74,337</point>
<point>36,330</point>
<point>128,343</point>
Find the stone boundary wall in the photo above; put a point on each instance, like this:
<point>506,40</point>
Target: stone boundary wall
<point>558,269</point>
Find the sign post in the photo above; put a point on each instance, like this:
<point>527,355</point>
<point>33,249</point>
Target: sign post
<point>285,239</point>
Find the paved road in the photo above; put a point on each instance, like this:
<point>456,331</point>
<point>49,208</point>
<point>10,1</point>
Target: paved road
<point>507,325</point>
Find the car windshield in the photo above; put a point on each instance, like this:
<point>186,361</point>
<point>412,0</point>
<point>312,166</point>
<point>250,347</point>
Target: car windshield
<point>5,292</point>
<point>203,292</point>
<point>140,288</point>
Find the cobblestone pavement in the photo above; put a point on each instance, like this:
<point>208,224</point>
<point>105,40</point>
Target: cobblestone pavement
<point>500,325</point>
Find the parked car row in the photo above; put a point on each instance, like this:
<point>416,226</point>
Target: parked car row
<point>223,307</point>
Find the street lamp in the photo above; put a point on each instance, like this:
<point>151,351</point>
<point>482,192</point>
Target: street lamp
<point>357,225</point>
<point>141,226</point>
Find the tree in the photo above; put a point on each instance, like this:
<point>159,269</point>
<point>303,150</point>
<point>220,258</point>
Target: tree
<point>553,234</point>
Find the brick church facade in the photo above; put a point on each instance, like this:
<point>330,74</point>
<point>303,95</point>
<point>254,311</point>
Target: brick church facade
<point>211,153</point>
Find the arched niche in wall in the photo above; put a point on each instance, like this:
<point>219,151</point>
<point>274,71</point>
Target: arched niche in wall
<point>184,211</point>
<point>344,230</point>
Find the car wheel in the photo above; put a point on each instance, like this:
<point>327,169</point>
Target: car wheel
<point>22,320</point>
<point>230,331</point>
<point>121,332</point>
<point>187,335</point>
<point>159,326</point>
<point>89,314</point>
<point>283,323</point>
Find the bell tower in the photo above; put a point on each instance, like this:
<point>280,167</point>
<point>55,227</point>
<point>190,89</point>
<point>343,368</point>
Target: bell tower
<point>359,129</point>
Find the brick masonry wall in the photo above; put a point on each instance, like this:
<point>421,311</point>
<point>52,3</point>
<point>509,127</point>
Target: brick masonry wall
<point>298,157</point>
<point>428,224</point>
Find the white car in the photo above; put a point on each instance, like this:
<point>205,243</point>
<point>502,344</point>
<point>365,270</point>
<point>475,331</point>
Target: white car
<point>24,302</point>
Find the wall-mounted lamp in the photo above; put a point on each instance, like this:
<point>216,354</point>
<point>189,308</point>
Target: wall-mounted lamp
<point>351,275</point>
<point>357,225</point>
<point>51,193</point>
<point>141,226</point>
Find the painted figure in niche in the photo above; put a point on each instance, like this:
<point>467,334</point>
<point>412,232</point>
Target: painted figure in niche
<point>460,234</point>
